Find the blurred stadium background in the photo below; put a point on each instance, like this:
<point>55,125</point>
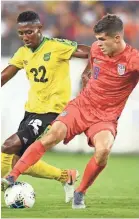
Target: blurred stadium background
<point>116,192</point>
<point>68,19</point>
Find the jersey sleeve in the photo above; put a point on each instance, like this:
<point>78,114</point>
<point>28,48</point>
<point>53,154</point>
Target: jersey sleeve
<point>17,59</point>
<point>65,48</point>
<point>93,52</point>
<point>134,62</point>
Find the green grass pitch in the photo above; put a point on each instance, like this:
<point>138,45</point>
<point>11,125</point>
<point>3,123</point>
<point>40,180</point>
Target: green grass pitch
<point>115,193</point>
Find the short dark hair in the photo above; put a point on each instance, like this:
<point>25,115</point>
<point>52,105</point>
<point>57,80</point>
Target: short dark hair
<point>28,16</point>
<point>109,24</point>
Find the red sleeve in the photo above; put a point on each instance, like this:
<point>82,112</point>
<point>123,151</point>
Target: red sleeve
<point>93,51</point>
<point>134,62</point>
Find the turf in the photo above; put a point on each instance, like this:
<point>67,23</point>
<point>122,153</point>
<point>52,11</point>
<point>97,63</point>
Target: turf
<point>115,193</point>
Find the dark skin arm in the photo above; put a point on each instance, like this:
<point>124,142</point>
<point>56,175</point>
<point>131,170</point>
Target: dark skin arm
<point>82,51</point>
<point>8,73</point>
<point>86,75</point>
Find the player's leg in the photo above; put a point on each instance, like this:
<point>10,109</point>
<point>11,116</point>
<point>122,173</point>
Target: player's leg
<point>103,141</point>
<point>10,147</point>
<point>36,150</point>
<point>65,128</point>
<point>35,125</point>
<point>17,144</point>
<point>43,170</point>
<point>48,171</point>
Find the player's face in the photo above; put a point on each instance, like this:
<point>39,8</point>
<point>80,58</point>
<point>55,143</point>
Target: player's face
<point>107,44</point>
<point>30,34</point>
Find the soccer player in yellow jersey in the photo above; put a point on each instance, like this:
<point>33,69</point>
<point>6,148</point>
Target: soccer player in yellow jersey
<point>46,62</point>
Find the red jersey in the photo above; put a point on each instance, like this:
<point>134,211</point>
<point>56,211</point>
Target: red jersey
<point>111,83</point>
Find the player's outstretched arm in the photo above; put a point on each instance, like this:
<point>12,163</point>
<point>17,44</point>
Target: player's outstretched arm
<point>82,51</point>
<point>8,73</point>
<point>86,74</point>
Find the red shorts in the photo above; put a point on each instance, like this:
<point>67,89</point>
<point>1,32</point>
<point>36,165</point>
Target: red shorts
<point>78,121</point>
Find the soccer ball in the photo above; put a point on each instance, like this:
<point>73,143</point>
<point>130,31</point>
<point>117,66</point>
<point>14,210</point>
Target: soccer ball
<point>19,195</point>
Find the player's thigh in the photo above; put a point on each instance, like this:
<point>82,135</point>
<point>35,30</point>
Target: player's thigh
<point>55,134</point>
<point>73,120</point>
<point>34,126</point>
<point>102,134</point>
<point>13,144</point>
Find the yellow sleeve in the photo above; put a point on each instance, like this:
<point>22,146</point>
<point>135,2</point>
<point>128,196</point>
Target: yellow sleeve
<point>17,59</point>
<point>65,48</point>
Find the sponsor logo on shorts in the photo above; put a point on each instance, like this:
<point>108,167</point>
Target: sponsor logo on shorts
<point>121,69</point>
<point>35,123</point>
<point>25,140</point>
<point>64,113</point>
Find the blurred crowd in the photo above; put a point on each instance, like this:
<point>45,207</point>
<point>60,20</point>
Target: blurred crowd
<point>73,20</point>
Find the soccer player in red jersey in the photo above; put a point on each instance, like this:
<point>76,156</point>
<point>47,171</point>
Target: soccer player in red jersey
<point>95,111</point>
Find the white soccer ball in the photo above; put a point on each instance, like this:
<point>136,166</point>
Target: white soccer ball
<point>20,195</point>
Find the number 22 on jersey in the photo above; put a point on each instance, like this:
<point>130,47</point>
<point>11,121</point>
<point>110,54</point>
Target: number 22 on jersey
<point>39,74</point>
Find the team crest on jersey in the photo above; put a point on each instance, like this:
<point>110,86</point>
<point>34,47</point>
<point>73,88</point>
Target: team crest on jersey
<point>121,69</point>
<point>46,56</point>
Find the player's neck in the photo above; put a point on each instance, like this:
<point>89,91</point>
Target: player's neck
<point>120,49</point>
<point>40,41</point>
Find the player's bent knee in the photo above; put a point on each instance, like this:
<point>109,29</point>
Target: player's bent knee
<point>12,145</point>
<point>102,152</point>
<point>103,139</point>
<point>103,142</point>
<point>101,155</point>
<point>8,147</point>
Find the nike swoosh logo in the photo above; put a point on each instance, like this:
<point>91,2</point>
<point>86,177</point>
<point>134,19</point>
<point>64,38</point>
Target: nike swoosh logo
<point>71,181</point>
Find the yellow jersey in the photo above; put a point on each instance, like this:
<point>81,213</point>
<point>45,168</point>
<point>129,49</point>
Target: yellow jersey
<point>47,69</point>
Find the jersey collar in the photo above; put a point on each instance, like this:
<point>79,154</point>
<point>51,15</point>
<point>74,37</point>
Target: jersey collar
<point>41,44</point>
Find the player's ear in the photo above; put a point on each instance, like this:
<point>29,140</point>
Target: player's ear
<point>40,27</point>
<point>117,38</point>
